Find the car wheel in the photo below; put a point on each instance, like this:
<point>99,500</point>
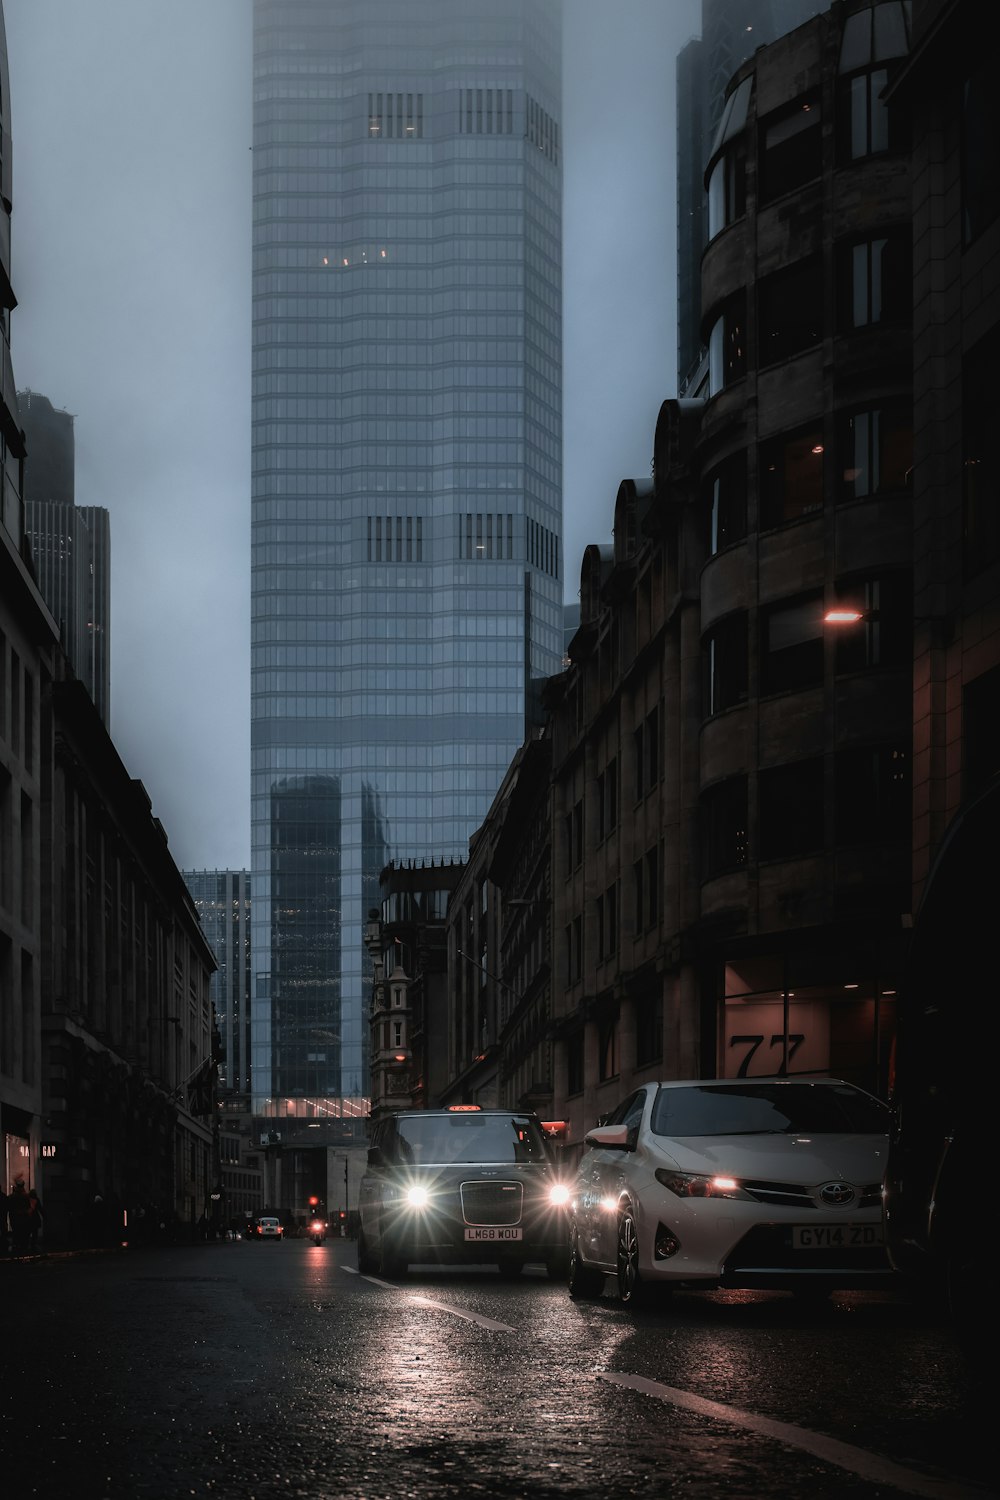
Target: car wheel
<point>583,1280</point>
<point>557,1267</point>
<point>391,1263</point>
<point>629,1283</point>
<point>366,1260</point>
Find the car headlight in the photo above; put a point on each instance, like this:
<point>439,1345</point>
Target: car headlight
<point>559,1195</point>
<point>700,1184</point>
<point>417,1196</point>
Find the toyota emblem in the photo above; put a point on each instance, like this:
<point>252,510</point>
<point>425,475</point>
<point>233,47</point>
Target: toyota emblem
<point>837,1194</point>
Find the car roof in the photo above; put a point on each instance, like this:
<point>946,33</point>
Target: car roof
<point>694,1083</point>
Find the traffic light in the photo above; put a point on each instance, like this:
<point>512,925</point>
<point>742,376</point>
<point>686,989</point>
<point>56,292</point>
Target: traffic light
<point>315,1206</point>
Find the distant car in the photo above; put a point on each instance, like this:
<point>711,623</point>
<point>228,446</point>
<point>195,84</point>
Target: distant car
<point>461,1185</point>
<point>267,1228</point>
<point>770,1183</point>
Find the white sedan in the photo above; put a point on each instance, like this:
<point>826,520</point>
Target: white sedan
<point>762,1182</point>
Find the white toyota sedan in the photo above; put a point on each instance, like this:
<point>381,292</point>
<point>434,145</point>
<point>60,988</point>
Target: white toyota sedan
<point>749,1182</point>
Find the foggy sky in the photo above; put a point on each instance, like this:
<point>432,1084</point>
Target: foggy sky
<point>131,127</point>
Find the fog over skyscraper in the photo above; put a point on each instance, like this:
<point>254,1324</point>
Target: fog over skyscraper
<point>407,560</point>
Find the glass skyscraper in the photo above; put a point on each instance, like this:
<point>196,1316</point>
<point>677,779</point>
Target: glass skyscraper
<point>406,586</point>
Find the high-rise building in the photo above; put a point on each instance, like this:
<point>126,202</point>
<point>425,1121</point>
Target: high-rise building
<point>731,31</point>
<point>222,900</point>
<point>406,587</point>
<point>70,545</point>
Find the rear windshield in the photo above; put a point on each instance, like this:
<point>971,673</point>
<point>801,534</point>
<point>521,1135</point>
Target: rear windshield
<point>467,1137</point>
<point>766,1108</point>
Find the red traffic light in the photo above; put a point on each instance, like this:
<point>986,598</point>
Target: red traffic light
<point>313,1201</point>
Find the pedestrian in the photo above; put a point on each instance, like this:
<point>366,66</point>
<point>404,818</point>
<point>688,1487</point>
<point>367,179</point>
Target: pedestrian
<point>18,1210</point>
<point>36,1217</point>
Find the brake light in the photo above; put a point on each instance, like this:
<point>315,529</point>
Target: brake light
<point>457,1109</point>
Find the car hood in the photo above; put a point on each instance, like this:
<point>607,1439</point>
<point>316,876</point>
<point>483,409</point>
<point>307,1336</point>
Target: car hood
<point>803,1159</point>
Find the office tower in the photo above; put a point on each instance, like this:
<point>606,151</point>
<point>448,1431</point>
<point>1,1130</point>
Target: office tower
<point>731,31</point>
<point>406,588</point>
<point>70,545</point>
<point>222,900</point>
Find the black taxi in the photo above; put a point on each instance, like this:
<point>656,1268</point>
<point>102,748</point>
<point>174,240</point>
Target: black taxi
<point>461,1185</point>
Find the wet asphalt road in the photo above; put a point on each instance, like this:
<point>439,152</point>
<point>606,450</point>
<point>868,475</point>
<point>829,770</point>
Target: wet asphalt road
<point>244,1370</point>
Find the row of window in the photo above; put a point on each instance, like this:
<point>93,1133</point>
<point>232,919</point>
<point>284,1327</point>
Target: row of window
<point>647,880</point>
<point>873,457</point>
<point>403,539</point>
<point>396,116</point>
<point>790,144</point>
<point>789,310</point>
<point>871,804</point>
<point>792,641</point>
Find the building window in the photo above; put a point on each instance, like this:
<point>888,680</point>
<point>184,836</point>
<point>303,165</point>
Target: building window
<point>790,148</point>
<point>608,1049</point>
<point>876,451</point>
<point>727,178</point>
<point>874,282</point>
<point>574,950</point>
<point>873,800</point>
<point>639,761</point>
<point>790,471</point>
<point>653,887</point>
<point>727,188</point>
<point>652,747</point>
<point>980,152</point>
<point>574,1063</point>
<point>639,896</point>
<point>791,645</point>
<point>725,500</point>
<point>980,469</point>
<point>724,664</point>
<point>607,799</point>
<point>791,810</point>
<point>723,817</point>
<point>727,346</point>
<point>883,637</point>
<point>789,311</point>
<point>649,1030</point>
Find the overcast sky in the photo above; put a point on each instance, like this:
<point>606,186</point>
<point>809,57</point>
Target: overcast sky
<point>131,125</point>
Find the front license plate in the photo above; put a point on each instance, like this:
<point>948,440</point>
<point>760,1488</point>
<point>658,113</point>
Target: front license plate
<point>836,1236</point>
<point>490,1232</point>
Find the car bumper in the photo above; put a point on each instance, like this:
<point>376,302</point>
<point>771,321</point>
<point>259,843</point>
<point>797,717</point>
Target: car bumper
<point>739,1249</point>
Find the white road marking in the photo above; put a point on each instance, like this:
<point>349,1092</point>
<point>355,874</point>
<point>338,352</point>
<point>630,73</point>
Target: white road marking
<point>458,1312</point>
<point>375,1280</point>
<point>857,1461</point>
<point>446,1307</point>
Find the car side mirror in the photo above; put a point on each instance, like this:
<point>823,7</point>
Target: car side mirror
<point>609,1138</point>
<point>376,1156</point>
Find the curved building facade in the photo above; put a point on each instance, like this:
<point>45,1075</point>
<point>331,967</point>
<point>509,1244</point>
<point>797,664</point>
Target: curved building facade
<point>406,589</point>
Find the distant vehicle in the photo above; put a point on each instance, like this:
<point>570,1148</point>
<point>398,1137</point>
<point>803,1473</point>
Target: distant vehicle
<point>763,1182</point>
<point>317,1231</point>
<point>461,1185</point>
<point>941,1219</point>
<point>267,1228</point>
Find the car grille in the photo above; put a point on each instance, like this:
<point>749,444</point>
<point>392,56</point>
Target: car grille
<point>492,1202</point>
<point>795,1195</point>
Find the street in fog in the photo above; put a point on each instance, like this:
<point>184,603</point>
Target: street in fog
<point>239,1369</point>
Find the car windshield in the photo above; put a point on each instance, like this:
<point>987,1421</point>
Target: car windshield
<point>468,1137</point>
<point>766,1108</point>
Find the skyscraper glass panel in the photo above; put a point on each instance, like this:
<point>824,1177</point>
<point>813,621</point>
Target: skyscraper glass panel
<point>406,533</point>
